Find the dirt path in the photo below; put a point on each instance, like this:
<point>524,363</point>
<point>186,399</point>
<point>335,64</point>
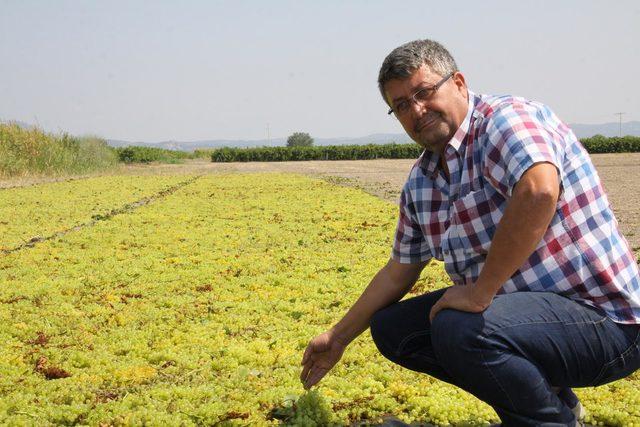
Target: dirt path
<point>620,174</point>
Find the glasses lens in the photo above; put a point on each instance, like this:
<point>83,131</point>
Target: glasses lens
<point>401,107</point>
<point>423,94</point>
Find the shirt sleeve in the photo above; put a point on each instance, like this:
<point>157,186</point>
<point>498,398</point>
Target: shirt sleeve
<point>410,245</point>
<point>520,135</point>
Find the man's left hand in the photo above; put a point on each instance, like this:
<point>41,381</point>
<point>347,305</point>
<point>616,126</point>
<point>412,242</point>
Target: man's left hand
<point>460,297</point>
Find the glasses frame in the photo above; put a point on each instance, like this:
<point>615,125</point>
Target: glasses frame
<point>431,89</point>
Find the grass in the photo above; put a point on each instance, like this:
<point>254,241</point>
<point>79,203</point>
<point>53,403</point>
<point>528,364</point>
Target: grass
<point>33,152</point>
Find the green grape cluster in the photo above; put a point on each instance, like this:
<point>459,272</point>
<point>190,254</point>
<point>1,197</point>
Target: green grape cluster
<point>310,410</point>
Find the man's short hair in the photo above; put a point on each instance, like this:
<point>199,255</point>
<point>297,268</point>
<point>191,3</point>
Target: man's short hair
<point>405,59</point>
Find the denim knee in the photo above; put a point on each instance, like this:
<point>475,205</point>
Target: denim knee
<point>382,331</point>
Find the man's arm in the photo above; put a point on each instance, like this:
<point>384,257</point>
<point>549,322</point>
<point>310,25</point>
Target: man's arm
<point>526,218</point>
<point>389,285</point>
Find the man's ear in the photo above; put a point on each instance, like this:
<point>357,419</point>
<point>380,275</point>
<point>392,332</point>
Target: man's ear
<point>460,82</point>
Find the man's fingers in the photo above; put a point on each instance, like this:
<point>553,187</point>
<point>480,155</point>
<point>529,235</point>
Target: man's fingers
<point>434,310</point>
<point>305,372</point>
<point>439,305</point>
<point>315,376</point>
<point>311,348</point>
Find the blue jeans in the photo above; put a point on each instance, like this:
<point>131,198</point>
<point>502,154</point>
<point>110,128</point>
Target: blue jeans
<point>512,354</point>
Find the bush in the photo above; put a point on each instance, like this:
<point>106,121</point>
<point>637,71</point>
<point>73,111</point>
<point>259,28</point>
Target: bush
<point>202,153</point>
<point>138,154</point>
<point>616,144</point>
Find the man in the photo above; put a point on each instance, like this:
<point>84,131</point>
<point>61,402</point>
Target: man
<point>546,292</point>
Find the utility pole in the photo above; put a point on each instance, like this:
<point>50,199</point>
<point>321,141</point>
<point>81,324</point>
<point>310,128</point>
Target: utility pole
<point>620,117</point>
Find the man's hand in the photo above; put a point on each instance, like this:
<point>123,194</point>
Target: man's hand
<point>389,285</point>
<point>460,297</point>
<point>322,353</point>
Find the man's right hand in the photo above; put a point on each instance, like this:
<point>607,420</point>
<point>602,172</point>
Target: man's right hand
<point>322,353</point>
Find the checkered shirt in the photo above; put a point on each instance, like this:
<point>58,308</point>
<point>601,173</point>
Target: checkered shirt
<point>582,255</point>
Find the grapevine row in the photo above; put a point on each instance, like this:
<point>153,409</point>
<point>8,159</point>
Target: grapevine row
<point>596,144</point>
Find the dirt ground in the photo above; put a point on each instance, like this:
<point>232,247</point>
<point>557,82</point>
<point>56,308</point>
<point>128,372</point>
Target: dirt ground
<point>620,174</point>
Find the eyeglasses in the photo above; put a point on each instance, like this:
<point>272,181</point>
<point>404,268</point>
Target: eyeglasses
<point>403,106</point>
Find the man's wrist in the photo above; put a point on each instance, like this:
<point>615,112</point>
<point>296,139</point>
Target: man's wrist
<point>338,337</point>
<point>482,295</point>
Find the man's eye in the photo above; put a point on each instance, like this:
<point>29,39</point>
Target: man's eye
<point>423,94</point>
<point>402,106</point>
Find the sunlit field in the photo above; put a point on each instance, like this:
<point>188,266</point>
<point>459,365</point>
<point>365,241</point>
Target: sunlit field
<point>189,300</point>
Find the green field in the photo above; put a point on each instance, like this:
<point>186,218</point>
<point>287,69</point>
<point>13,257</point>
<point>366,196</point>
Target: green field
<point>193,307</point>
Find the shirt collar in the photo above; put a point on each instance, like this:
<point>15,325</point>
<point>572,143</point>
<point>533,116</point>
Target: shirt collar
<point>430,160</point>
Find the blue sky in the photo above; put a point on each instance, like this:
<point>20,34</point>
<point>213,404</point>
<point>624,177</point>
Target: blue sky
<point>191,70</point>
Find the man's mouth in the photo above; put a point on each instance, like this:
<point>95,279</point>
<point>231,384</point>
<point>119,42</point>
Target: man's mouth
<point>426,122</point>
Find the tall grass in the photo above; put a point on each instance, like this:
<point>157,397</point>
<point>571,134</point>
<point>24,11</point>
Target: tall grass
<point>34,152</point>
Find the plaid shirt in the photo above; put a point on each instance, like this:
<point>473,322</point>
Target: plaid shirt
<point>582,255</point>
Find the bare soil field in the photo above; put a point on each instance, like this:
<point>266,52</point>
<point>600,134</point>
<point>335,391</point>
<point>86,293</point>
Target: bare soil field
<point>620,174</point>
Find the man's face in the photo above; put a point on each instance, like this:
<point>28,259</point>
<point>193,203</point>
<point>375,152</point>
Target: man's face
<point>431,123</point>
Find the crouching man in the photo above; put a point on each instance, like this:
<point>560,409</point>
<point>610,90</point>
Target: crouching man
<point>546,292</point>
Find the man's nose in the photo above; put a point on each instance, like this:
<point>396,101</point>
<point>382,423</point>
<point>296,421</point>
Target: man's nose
<point>417,108</point>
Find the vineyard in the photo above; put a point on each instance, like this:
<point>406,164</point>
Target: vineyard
<point>330,152</point>
<point>188,300</point>
<point>596,144</point>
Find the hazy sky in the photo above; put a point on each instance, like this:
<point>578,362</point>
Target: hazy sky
<point>187,70</point>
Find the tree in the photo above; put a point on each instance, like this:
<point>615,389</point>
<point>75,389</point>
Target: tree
<point>299,139</point>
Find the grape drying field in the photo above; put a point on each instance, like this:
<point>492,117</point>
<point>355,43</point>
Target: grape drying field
<point>189,299</point>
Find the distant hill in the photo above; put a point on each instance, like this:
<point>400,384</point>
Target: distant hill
<point>379,138</point>
<point>581,130</point>
<point>606,129</point>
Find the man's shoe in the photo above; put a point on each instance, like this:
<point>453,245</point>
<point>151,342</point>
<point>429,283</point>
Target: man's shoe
<point>578,410</point>
<point>580,413</point>
<point>571,400</point>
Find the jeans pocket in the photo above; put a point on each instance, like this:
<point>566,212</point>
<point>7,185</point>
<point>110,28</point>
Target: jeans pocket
<point>622,366</point>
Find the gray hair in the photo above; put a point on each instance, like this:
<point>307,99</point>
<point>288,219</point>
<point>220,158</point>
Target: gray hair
<point>405,59</point>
